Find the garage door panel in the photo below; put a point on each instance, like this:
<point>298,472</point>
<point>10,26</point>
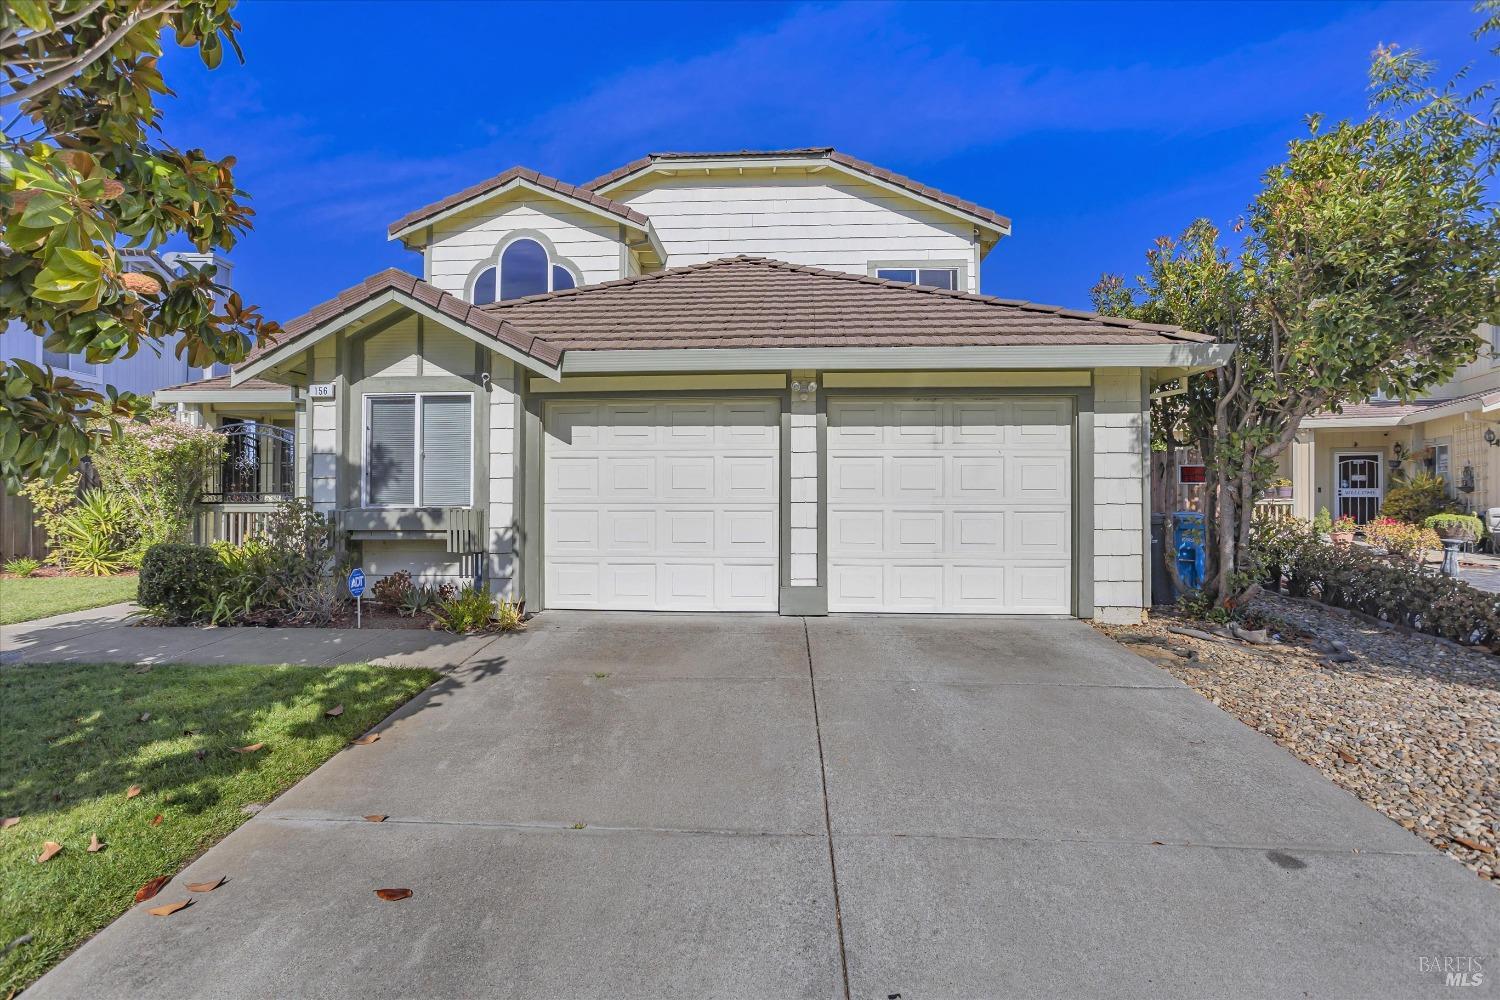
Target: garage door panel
<point>855,533</point>
<point>976,520</point>
<point>662,504</point>
<point>858,478</point>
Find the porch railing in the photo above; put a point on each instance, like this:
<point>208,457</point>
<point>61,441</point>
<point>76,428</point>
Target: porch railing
<point>258,466</point>
<point>229,522</point>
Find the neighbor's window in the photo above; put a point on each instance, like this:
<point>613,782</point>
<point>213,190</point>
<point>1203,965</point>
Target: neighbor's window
<point>932,277</point>
<point>419,450</point>
<point>524,269</point>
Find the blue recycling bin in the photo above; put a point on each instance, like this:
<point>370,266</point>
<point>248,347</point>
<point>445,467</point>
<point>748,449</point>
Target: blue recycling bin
<point>1188,541</point>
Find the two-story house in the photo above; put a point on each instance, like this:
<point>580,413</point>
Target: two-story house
<point>1347,461</point>
<point>752,381</point>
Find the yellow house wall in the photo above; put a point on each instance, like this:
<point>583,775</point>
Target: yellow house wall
<point>1467,447</point>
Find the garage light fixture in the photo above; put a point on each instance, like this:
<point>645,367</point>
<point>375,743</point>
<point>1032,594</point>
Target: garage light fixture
<point>803,389</point>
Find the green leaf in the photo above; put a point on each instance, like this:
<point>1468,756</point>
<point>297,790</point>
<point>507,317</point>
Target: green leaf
<point>32,13</point>
<point>70,276</point>
<point>17,386</point>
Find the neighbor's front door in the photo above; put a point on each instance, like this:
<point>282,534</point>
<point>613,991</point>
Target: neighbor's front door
<point>1359,492</point>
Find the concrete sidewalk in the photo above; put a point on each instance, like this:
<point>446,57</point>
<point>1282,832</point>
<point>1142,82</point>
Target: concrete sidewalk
<point>110,635</point>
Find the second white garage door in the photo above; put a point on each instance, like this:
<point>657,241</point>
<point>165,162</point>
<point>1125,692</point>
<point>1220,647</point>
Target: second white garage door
<point>950,504</point>
<point>662,505</point>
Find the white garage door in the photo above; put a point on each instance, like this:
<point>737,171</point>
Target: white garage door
<point>953,504</point>
<point>662,506</point>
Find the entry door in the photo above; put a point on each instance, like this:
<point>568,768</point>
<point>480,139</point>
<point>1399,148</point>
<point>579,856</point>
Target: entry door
<point>950,504</point>
<point>1358,487</point>
<point>655,505</point>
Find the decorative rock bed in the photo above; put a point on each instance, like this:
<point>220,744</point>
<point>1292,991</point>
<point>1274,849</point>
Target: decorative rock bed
<point>1408,723</point>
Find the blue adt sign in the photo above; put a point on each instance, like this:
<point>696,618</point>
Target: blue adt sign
<point>356,582</point>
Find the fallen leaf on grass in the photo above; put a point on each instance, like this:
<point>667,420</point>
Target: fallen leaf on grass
<point>95,844</point>
<point>8,822</point>
<point>49,851</point>
<point>151,888</point>
<point>335,711</point>
<point>249,749</point>
<point>206,886</point>
<point>200,754</point>
<point>366,739</point>
<point>168,909</point>
<point>156,820</point>
<point>391,895</point>
<point>145,717</point>
<point>375,818</point>
<point>132,791</point>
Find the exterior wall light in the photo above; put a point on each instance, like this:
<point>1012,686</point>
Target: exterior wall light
<point>804,389</point>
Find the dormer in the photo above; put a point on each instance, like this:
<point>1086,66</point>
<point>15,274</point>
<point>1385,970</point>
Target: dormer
<point>522,233</point>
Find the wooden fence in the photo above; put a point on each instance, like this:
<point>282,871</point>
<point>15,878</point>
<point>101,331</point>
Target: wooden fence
<point>20,535</point>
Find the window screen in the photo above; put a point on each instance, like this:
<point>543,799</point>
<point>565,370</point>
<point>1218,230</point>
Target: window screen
<point>391,454</point>
<point>933,277</point>
<point>447,453</point>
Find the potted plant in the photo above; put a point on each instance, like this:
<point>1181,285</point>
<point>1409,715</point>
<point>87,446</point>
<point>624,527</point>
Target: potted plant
<point>1456,527</point>
<point>1342,531</point>
<point>1280,489</point>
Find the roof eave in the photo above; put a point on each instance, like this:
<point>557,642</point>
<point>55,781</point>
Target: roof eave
<point>280,394</point>
<point>416,226</point>
<point>1189,357</point>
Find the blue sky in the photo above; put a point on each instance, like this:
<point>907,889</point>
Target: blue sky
<point>1095,127</point>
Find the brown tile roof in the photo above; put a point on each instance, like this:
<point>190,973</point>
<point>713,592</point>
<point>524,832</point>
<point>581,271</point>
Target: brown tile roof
<point>393,279</point>
<point>813,152</point>
<point>1377,409</point>
<point>222,382</point>
<point>563,188</point>
<point>758,302</point>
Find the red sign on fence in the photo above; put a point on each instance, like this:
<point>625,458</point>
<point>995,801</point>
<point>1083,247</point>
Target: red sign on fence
<point>1191,475</point>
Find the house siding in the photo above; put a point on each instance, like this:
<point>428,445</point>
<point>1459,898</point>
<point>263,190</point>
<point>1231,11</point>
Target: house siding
<point>1120,436</point>
<point>465,243</point>
<point>824,219</point>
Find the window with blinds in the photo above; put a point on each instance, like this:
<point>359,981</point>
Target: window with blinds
<point>419,450</point>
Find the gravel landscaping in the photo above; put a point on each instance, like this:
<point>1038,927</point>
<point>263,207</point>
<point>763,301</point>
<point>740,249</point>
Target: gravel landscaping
<point>1408,723</point>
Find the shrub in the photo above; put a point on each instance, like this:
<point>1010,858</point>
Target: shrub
<point>508,616</point>
<point>1402,592</point>
<point>1323,523</point>
<point>1405,541</point>
<point>50,501</point>
<point>1417,498</point>
<point>177,580</point>
<point>157,467</point>
<point>1345,525</point>
<point>470,610</point>
<point>95,535</point>
<point>22,566</point>
<point>391,591</point>
<point>1465,527</point>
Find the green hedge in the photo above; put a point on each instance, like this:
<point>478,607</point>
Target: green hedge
<point>1404,593</point>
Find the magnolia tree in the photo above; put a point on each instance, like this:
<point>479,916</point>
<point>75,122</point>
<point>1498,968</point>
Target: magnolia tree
<point>1368,260</point>
<point>83,172</point>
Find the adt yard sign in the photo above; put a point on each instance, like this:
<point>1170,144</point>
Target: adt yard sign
<point>356,590</point>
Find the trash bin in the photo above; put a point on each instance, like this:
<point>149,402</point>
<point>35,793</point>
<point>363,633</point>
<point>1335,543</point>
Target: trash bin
<point>1188,541</point>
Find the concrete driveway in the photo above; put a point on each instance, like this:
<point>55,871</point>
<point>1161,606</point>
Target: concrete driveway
<point>620,806</point>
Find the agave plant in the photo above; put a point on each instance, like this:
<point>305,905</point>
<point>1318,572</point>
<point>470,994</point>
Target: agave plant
<point>93,537</point>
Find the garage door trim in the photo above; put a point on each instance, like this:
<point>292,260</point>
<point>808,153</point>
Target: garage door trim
<point>1081,441</point>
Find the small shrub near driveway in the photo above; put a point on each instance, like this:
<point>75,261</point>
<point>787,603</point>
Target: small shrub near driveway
<point>177,579</point>
<point>1406,541</point>
<point>22,566</point>
<point>77,737</point>
<point>30,598</point>
<point>475,610</point>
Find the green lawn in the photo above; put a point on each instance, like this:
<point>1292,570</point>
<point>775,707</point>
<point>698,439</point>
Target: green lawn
<point>72,744</point>
<point>25,598</point>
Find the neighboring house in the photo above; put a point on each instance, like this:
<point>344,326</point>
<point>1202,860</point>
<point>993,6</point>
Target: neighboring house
<point>149,369</point>
<point>1347,461</point>
<point>755,381</point>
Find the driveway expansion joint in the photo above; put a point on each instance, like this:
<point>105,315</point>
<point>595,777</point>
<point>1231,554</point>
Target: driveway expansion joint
<point>557,826</point>
<point>1121,842</point>
<point>833,867</point>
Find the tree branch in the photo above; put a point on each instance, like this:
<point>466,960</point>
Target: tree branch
<point>60,76</point>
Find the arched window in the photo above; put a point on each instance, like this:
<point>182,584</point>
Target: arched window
<point>484,287</point>
<point>523,269</point>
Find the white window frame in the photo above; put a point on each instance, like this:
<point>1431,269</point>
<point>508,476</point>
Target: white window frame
<point>553,260</point>
<point>90,372</point>
<point>959,268</point>
<point>416,485</point>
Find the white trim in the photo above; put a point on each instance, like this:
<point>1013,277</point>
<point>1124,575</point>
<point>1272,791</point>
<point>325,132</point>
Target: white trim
<point>507,188</point>
<point>1196,357</point>
<point>554,259</point>
<point>953,380</point>
<point>281,394</point>
<point>805,162</point>
<point>416,483</point>
<point>293,347</point>
<point>655,383</point>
